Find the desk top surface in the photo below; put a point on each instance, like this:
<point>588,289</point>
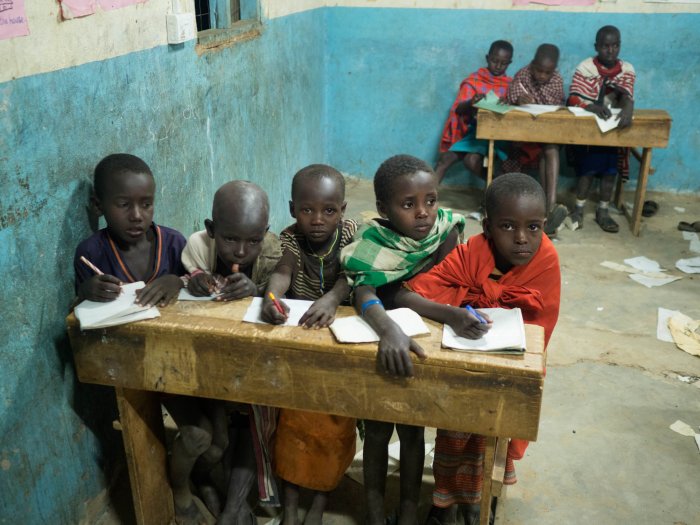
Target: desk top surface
<point>650,128</point>
<point>215,319</point>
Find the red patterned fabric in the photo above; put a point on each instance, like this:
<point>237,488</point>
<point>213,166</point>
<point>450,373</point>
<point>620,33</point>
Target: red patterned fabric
<point>478,83</point>
<point>551,93</point>
<point>463,277</point>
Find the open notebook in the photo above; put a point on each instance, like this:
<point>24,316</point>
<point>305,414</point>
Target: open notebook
<point>507,335</point>
<point>122,310</point>
<point>354,329</point>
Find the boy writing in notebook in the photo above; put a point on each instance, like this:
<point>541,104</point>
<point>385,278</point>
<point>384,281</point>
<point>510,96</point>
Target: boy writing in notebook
<point>312,450</point>
<point>412,235</point>
<point>510,265</point>
<point>233,256</point>
<point>459,140</point>
<point>599,83</point>
<point>539,83</point>
<point>132,247</point>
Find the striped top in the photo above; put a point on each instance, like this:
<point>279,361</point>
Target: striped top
<point>313,275</point>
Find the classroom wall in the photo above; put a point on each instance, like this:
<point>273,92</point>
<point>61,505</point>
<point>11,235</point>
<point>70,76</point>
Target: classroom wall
<point>253,110</point>
<point>410,82</point>
<point>342,82</point>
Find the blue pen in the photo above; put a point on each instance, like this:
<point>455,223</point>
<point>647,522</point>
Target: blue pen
<point>476,314</point>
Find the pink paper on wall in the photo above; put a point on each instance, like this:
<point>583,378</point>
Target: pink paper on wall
<point>13,21</point>
<point>554,2</point>
<point>76,8</point>
<point>108,5</point>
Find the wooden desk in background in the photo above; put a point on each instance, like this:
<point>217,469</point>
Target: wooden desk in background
<point>198,349</point>
<point>650,129</point>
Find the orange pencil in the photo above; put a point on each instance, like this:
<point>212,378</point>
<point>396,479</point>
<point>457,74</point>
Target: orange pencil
<point>277,304</point>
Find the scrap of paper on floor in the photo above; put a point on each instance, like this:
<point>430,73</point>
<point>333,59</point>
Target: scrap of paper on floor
<point>691,265</point>
<point>663,333</point>
<point>650,281</point>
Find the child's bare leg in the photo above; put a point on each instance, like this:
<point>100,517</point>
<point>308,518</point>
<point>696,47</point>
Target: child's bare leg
<point>243,475</point>
<point>374,466</point>
<point>291,504</point>
<point>474,162</point>
<point>216,412</point>
<point>192,440</point>
<point>412,459</point>
<point>315,514</point>
<point>549,173</point>
<point>447,159</point>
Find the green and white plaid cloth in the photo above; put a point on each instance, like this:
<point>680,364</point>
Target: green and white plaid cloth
<point>380,256</point>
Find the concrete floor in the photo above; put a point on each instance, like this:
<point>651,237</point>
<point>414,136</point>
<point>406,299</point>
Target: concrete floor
<point>605,453</point>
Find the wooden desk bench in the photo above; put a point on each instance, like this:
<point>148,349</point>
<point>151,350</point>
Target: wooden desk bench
<point>200,349</point>
<point>650,129</point>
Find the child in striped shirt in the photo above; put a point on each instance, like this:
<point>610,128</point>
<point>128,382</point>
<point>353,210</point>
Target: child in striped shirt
<point>312,450</point>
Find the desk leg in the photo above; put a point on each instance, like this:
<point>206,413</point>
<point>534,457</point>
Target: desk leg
<point>489,457</point>
<point>489,169</point>
<point>641,191</point>
<point>144,443</point>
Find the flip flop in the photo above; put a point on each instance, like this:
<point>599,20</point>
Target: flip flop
<point>689,227</point>
<point>650,208</point>
<point>606,223</point>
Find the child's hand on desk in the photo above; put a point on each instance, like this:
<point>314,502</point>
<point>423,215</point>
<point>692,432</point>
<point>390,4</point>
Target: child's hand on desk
<point>100,288</point>
<point>600,110</point>
<point>320,314</point>
<point>237,286</point>
<point>394,348</point>
<point>625,117</point>
<point>270,313</point>
<point>525,98</point>
<point>201,284</point>
<point>465,324</point>
<point>162,291</point>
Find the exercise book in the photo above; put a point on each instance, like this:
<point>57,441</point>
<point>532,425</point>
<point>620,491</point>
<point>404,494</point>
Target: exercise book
<point>506,336</point>
<point>122,310</point>
<point>354,329</point>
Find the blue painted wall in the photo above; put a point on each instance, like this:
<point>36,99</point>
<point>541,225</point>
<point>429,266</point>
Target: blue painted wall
<point>393,75</point>
<point>254,111</point>
<point>345,86</point>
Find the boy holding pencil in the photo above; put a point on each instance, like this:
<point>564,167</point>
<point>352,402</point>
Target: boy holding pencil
<point>131,248</point>
<point>539,83</point>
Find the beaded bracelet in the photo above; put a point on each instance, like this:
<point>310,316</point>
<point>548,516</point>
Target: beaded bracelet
<point>369,303</point>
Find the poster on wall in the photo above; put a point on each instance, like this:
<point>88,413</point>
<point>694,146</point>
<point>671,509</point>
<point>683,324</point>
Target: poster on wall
<point>13,21</point>
<point>554,2</point>
<point>77,8</point>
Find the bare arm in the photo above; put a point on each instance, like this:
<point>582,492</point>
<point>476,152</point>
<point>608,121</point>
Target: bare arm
<point>394,345</point>
<point>322,312</point>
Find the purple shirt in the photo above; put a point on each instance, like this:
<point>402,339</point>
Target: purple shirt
<point>103,252</point>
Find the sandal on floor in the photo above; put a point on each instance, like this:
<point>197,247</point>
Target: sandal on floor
<point>555,219</point>
<point>689,227</point>
<point>606,223</point>
<point>650,208</point>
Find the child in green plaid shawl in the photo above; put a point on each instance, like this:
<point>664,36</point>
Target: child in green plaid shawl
<point>411,236</point>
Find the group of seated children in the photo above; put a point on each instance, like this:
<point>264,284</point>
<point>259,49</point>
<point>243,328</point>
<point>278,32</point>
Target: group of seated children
<point>411,255</point>
<point>599,83</point>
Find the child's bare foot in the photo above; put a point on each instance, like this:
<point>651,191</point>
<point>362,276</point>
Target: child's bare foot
<point>315,514</point>
<point>194,514</point>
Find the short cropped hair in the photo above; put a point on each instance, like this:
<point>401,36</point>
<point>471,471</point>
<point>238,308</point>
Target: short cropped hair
<point>501,44</point>
<point>547,52</point>
<point>606,30</point>
<point>116,164</point>
<point>393,168</point>
<point>511,185</point>
<point>316,172</point>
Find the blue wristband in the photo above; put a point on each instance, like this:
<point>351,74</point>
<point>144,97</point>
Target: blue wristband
<point>369,303</point>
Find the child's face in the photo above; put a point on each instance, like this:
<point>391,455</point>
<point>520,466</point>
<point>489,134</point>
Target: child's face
<point>412,207</point>
<point>608,47</point>
<point>516,230</point>
<point>498,61</point>
<point>542,72</point>
<point>237,241</point>
<point>127,206</point>
<point>318,207</point>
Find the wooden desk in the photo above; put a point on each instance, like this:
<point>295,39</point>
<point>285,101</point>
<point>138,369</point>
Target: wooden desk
<point>650,129</point>
<point>196,349</point>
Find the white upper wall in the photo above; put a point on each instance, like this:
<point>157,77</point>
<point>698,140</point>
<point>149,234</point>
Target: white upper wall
<point>55,44</point>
